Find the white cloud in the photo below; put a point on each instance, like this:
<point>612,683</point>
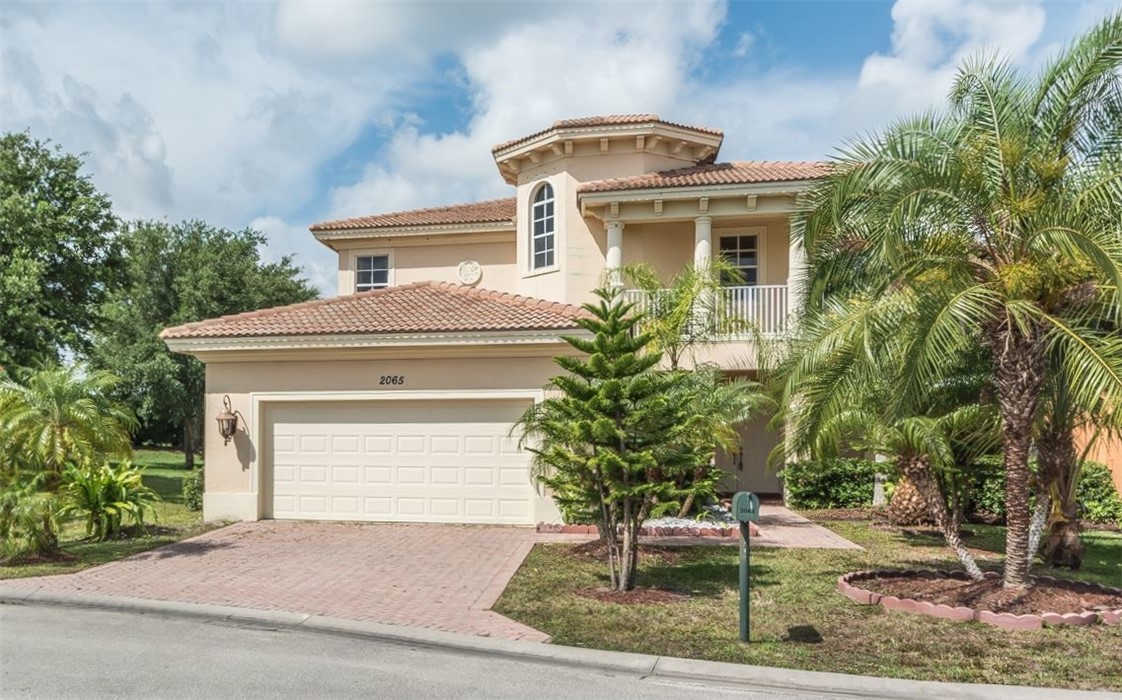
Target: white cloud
<point>744,42</point>
<point>563,65</point>
<point>929,40</point>
<point>228,112</point>
<point>183,111</point>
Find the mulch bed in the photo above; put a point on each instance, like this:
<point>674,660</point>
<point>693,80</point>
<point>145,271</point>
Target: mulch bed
<point>1045,596</point>
<point>849,514</point>
<point>636,596</point>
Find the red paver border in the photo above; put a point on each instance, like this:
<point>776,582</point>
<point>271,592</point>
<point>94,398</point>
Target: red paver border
<point>1084,618</point>
<point>558,528</point>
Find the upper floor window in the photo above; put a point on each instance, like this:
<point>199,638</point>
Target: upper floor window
<point>743,253</point>
<point>542,239</point>
<point>372,272</point>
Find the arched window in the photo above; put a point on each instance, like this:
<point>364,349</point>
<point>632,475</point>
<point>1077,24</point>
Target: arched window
<point>542,239</point>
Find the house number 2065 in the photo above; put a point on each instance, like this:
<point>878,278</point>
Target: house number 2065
<point>392,380</point>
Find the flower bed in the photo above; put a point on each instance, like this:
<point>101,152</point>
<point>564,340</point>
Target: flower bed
<point>952,595</point>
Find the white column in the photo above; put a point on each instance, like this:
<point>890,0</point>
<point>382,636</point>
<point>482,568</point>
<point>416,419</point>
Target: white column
<point>613,261</point>
<point>796,278</point>
<point>702,241</point>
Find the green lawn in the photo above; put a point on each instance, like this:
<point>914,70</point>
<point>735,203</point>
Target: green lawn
<point>164,472</point>
<point>800,621</point>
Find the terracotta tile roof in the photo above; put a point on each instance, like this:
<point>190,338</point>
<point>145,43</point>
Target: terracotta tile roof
<point>491,211</point>
<point>735,173</point>
<point>424,307</point>
<point>606,120</point>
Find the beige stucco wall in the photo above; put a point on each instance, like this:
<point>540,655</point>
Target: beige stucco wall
<point>233,471</point>
<point>668,246</point>
<point>582,241</point>
<point>434,258</point>
<point>1106,451</point>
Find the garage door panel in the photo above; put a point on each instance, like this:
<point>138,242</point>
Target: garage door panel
<point>410,463</point>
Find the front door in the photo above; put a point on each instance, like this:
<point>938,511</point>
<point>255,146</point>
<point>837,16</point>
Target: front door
<point>746,466</point>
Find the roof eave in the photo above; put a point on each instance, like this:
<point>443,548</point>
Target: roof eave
<point>704,139</point>
<point>199,345</point>
<point>326,235</point>
<point>642,194</point>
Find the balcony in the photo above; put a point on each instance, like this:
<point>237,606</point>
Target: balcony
<point>738,312</point>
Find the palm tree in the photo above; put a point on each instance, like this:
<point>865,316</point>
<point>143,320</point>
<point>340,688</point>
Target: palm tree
<point>931,449</point>
<point>715,407</point>
<point>687,312</point>
<point>679,318</point>
<point>1059,461</point>
<point>985,224</point>
<point>63,415</point>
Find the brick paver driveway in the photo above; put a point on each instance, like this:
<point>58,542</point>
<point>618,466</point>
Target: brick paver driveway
<point>438,576</point>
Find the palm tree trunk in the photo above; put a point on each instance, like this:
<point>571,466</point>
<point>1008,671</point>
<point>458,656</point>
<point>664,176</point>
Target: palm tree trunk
<point>918,471</point>
<point>908,506</point>
<point>1059,462</point>
<point>1019,360</point>
<point>1039,520</point>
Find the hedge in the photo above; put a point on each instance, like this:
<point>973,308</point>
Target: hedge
<point>831,483</point>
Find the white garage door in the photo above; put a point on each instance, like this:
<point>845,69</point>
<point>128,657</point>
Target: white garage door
<point>416,461</point>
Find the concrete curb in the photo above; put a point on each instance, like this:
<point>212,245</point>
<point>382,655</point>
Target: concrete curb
<point>641,665</point>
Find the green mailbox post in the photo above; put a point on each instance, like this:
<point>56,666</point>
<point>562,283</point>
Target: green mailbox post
<point>746,509</point>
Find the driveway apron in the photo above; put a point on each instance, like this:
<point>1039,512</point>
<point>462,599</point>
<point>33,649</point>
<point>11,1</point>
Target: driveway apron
<point>442,577</point>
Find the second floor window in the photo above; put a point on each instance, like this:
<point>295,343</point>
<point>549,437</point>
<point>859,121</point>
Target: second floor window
<point>743,253</point>
<point>372,272</point>
<point>542,240</point>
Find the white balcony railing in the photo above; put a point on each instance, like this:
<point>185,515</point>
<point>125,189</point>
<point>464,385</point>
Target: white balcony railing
<point>735,312</point>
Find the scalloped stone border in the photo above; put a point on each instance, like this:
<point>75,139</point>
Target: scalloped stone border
<point>557,528</point>
<point>1008,621</point>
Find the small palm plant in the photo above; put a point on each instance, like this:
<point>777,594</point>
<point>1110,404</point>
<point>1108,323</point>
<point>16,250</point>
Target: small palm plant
<point>28,521</point>
<point>59,416</point>
<point>106,495</point>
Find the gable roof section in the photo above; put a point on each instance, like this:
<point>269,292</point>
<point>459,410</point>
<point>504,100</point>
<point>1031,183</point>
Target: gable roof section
<point>605,120</point>
<point>499,211</point>
<point>734,173</point>
<point>424,307</point>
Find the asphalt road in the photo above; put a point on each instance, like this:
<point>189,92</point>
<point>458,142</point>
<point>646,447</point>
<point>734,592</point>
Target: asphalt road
<point>53,652</point>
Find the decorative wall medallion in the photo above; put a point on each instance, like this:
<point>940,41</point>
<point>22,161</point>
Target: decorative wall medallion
<point>470,272</point>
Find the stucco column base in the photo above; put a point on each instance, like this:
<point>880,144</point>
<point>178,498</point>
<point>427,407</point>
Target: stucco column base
<point>230,506</point>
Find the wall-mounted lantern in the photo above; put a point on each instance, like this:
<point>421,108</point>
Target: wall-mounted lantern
<point>227,421</point>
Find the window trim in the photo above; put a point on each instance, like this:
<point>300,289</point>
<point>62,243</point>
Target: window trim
<point>352,267</point>
<point>532,236</point>
<point>760,232</point>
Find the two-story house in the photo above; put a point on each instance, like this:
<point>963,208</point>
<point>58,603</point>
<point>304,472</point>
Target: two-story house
<point>397,399</point>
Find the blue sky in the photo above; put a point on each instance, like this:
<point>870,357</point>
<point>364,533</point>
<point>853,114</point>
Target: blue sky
<point>278,115</point>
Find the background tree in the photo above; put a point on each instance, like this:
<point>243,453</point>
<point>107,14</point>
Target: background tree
<point>980,224</point>
<point>179,273</point>
<point>58,253</point>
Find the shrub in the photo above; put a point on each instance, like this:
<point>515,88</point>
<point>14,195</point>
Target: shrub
<point>28,523</point>
<point>987,486</point>
<point>832,483</point>
<point>193,489</point>
<point>1098,499</point>
<point>105,495</point>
